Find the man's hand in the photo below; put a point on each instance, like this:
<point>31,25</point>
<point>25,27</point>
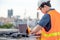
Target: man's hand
<point>36,29</point>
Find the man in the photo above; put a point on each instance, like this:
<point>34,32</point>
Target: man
<point>48,26</point>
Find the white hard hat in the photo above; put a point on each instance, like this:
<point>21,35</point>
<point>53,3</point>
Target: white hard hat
<point>41,1</point>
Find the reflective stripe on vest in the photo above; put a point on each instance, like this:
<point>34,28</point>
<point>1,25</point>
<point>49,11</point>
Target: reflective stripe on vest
<point>51,34</point>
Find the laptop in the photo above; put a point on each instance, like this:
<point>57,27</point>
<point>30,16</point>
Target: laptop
<point>23,30</point>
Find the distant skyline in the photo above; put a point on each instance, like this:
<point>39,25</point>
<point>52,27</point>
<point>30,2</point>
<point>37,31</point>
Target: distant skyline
<point>21,6</point>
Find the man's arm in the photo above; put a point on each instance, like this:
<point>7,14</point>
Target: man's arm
<point>36,29</point>
<point>43,22</point>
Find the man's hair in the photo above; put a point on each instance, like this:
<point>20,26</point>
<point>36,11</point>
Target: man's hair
<point>45,3</point>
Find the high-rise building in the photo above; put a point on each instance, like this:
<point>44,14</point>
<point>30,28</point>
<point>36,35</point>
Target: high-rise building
<point>10,13</point>
<point>37,15</point>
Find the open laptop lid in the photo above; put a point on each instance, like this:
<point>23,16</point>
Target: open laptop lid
<point>22,28</point>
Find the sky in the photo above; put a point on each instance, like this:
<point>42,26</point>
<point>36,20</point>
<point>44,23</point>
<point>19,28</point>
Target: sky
<point>21,6</point>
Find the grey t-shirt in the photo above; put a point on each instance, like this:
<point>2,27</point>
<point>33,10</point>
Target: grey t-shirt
<point>45,22</point>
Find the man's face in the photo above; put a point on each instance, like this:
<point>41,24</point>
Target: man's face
<point>43,9</point>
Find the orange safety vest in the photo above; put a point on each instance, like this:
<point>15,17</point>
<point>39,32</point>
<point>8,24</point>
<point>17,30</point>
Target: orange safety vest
<point>54,32</point>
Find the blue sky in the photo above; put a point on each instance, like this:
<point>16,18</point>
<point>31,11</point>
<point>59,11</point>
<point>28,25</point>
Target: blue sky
<point>19,7</point>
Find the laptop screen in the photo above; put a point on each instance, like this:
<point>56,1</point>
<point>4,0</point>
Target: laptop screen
<point>22,28</point>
